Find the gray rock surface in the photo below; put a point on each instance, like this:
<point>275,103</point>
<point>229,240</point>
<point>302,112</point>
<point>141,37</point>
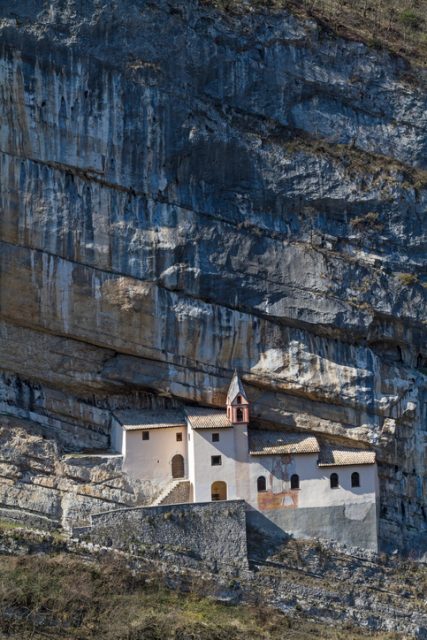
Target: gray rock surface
<point>185,191</point>
<point>42,487</point>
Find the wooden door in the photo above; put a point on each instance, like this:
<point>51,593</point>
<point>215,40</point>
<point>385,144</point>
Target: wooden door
<point>178,466</point>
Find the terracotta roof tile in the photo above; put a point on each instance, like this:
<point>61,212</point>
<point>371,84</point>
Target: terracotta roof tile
<point>132,420</point>
<point>201,418</point>
<point>337,456</point>
<point>263,443</point>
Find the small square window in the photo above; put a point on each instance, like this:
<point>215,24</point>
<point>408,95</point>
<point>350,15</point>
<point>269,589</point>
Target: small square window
<point>179,437</point>
<point>145,435</point>
<point>216,461</point>
<point>215,437</point>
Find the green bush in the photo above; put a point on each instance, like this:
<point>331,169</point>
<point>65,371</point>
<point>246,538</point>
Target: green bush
<point>410,19</point>
<point>407,279</point>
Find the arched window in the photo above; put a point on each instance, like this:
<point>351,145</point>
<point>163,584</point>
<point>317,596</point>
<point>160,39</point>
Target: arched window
<point>239,399</point>
<point>294,481</point>
<point>261,484</point>
<point>334,481</point>
<point>239,415</point>
<point>355,479</point>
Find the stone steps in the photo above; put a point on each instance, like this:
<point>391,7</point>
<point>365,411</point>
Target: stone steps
<point>177,492</point>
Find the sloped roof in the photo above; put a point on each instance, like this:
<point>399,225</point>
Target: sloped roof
<point>263,443</point>
<point>235,389</point>
<point>132,420</point>
<point>337,456</point>
<point>201,418</point>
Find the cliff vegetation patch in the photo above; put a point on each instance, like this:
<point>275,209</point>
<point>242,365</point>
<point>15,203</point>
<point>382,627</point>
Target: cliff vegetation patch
<point>398,26</point>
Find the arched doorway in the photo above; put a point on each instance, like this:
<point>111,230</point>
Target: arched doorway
<point>177,466</point>
<point>219,490</point>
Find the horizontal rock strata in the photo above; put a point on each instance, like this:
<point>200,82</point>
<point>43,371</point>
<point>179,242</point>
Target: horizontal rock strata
<point>185,191</point>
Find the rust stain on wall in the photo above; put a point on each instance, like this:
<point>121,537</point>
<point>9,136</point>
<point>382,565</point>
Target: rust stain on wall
<point>267,500</point>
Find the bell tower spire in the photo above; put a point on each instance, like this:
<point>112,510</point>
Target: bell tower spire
<point>237,402</point>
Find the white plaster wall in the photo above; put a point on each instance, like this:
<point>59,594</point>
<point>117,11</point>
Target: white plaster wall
<point>118,439</point>
<point>190,455</point>
<point>151,459</point>
<point>315,488</point>
<point>204,473</point>
<point>243,473</point>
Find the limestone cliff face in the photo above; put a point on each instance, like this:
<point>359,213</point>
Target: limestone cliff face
<point>185,191</point>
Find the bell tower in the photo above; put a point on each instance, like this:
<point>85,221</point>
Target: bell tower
<point>237,402</point>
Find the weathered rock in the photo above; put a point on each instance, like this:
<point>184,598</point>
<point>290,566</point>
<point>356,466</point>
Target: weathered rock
<point>184,192</point>
<point>44,488</point>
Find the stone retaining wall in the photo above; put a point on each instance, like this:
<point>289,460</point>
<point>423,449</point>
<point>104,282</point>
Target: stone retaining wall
<point>213,532</point>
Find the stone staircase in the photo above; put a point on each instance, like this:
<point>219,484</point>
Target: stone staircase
<point>177,492</point>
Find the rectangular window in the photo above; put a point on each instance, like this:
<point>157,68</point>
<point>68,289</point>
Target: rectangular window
<point>179,437</point>
<point>145,435</point>
<point>215,437</point>
<point>216,461</point>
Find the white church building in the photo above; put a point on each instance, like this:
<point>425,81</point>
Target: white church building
<point>294,483</point>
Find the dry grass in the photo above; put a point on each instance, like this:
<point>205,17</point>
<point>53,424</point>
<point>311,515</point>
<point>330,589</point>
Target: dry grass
<point>400,26</point>
<point>66,598</point>
<point>368,222</point>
